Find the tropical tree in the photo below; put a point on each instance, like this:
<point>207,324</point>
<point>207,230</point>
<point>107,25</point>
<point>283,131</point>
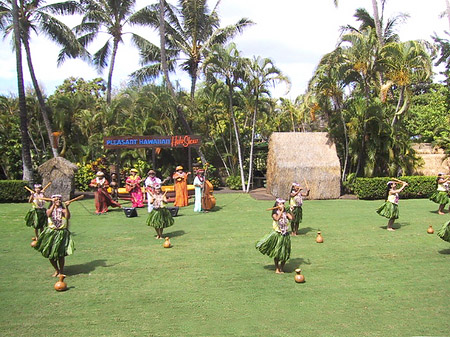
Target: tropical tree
<point>260,73</point>
<point>226,63</point>
<point>113,16</point>
<point>36,17</point>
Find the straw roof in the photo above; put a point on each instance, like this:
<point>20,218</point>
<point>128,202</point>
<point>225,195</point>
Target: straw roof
<point>306,158</point>
<point>60,172</point>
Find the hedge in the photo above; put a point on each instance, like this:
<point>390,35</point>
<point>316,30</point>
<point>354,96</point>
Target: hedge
<point>13,191</point>
<point>375,188</point>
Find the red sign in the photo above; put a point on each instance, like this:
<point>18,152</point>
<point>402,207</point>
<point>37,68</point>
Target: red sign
<point>134,142</point>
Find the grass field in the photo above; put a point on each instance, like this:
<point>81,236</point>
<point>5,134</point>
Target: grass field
<point>362,281</point>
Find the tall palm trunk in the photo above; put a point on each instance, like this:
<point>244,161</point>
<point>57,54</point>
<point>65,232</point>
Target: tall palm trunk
<point>236,133</point>
<point>42,105</point>
<point>252,144</point>
<point>179,108</point>
<point>111,69</point>
<point>27,173</point>
<point>376,18</point>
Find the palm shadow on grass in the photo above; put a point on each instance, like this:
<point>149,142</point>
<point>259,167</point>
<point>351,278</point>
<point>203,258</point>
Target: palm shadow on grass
<point>85,268</point>
<point>305,230</point>
<point>290,265</point>
<point>445,251</point>
<point>174,234</point>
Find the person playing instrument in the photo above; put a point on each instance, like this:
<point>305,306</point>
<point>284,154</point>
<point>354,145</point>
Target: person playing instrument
<point>102,197</point>
<point>441,195</point>
<point>114,187</point>
<point>36,217</point>
<point>277,244</point>
<point>389,209</point>
<point>199,185</point>
<point>55,242</point>
<point>295,206</point>
<point>181,192</point>
<point>160,217</point>
<point>133,186</point>
<point>150,182</point>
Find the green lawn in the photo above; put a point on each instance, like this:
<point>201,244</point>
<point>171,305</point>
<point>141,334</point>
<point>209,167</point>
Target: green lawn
<point>362,281</point>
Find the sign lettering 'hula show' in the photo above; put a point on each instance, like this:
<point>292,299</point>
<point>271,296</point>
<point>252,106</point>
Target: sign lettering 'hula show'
<point>127,142</point>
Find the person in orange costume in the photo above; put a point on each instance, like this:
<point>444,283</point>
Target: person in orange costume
<point>181,192</point>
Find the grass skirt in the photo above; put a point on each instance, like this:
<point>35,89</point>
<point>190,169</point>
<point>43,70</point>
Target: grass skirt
<point>36,218</point>
<point>444,232</point>
<point>297,213</point>
<point>388,210</point>
<point>440,197</point>
<point>55,243</point>
<point>160,218</point>
<point>275,245</point>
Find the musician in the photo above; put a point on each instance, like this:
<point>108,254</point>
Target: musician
<point>102,197</point>
<point>36,217</point>
<point>277,244</point>
<point>181,192</point>
<point>199,185</point>
<point>133,186</point>
<point>55,242</point>
<point>150,182</point>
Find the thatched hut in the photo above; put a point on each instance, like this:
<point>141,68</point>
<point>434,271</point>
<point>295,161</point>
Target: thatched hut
<point>300,157</point>
<point>434,160</point>
<point>61,173</point>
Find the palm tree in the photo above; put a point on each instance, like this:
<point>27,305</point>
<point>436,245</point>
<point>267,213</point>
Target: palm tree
<point>27,174</point>
<point>227,64</point>
<point>192,29</point>
<point>260,74</point>
<point>404,63</point>
<point>113,17</point>
<point>34,16</point>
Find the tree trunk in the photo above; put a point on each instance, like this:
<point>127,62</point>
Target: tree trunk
<point>27,173</point>
<point>252,144</point>
<point>42,105</point>
<point>376,18</point>
<point>236,132</point>
<point>110,72</point>
<point>162,48</point>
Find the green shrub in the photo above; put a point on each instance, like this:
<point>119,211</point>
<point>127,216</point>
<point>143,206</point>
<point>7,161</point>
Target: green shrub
<point>234,182</point>
<point>83,177</point>
<point>13,191</point>
<point>375,188</point>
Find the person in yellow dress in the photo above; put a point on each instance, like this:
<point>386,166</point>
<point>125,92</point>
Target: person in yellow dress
<point>181,191</point>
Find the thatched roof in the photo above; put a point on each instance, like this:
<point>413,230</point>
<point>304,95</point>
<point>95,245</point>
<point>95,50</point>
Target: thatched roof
<point>299,157</point>
<point>62,165</point>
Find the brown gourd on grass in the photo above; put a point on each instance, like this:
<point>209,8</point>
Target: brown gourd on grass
<point>299,278</point>
<point>60,285</point>
<point>166,243</point>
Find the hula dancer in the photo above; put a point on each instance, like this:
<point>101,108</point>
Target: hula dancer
<point>55,242</point>
<point>390,207</point>
<point>36,217</point>
<point>444,232</point>
<point>277,244</point>
<point>296,203</point>
<point>441,195</point>
<point>160,217</point>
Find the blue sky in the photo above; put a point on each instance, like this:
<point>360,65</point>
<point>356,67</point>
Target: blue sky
<point>293,33</point>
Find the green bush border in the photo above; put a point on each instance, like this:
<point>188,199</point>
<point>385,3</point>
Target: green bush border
<point>13,191</point>
<point>375,188</point>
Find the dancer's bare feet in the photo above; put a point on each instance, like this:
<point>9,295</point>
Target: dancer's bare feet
<point>391,229</point>
<point>55,274</point>
<point>441,213</point>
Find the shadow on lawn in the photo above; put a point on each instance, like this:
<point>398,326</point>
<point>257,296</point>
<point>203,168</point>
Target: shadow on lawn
<point>302,231</point>
<point>444,251</point>
<point>291,265</point>
<point>397,225</point>
<point>174,234</point>
<point>84,268</point>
